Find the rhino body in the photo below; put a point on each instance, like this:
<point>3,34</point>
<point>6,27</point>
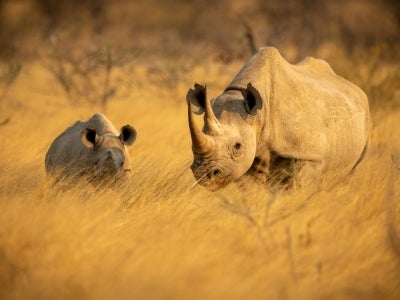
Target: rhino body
<point>93,149</point>
<point>280,122</point>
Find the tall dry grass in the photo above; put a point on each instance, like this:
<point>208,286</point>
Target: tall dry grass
<point>161,237</point>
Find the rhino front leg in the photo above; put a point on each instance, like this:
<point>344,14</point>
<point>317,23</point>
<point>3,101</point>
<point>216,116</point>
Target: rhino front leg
<point>259,170</point>
<point>309,174</point>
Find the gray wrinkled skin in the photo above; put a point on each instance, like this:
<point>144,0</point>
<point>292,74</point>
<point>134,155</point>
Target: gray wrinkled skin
<point>282,123</point>
<point>91,149</point>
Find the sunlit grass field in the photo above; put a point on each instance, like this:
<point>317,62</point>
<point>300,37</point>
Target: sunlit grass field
<point>161,236</point>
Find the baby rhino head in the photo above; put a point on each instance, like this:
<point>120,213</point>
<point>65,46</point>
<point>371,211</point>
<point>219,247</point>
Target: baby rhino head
<point>108,157</point>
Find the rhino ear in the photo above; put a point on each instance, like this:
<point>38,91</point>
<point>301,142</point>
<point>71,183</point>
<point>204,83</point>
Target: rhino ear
<point>89,137</point>
<point>128,135</point>
<point>252,99</point>
<point>197,98</point>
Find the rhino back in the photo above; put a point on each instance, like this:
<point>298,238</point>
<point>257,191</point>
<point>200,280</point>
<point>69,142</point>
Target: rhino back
<point>317,115</point>
<point>66,147</point>
<point>309,112</point>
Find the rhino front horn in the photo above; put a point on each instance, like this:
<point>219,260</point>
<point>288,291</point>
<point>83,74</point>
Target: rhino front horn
<point>197,97</point>
<point>201,143</point>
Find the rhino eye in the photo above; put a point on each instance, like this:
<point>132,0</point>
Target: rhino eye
<point>237,149</point>
<point>238,146</point>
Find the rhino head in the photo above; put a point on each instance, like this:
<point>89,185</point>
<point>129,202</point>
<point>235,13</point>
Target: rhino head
<point>225,148</point>
<point>108,156</point>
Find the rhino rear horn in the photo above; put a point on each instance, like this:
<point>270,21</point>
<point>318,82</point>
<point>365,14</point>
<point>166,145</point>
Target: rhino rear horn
<point>128,135</point>
<point>252,99</point>
<point>89,137</point>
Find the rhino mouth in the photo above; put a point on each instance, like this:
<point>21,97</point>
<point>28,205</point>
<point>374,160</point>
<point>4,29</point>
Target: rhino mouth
<point>108,175</point>
<point>211,178</point>
<point>213,185</point>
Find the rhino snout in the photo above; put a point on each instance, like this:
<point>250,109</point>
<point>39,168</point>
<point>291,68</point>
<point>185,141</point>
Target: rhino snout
<point>213,174</point>
<point>212,178</point>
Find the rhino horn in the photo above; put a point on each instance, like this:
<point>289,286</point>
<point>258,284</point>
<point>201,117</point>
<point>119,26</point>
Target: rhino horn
<point>201,143</point>
<point>198,98</point>
<point>211,123</point>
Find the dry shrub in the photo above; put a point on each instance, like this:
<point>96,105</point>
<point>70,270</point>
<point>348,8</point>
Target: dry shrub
<point>88,74</point>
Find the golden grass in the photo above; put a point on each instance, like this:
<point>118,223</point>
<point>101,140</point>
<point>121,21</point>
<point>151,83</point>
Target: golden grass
<point>160,237</point>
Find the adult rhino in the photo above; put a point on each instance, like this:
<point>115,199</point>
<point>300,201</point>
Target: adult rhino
<point>292,124</point>
<point>93,149</point>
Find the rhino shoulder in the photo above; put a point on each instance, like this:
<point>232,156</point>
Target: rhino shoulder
<point>315,65</point>
<point>269,53</point>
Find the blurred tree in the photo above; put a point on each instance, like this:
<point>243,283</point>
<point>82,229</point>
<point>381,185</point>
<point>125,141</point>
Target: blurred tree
<point>225,28</point>
<point>351,24</point>
<point>58,12</point>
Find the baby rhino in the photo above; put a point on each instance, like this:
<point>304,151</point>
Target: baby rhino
<point>93,150</point>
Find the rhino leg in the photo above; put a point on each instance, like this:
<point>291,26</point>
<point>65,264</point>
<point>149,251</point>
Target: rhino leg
<point>275,170</point>
<point>284,172</point>
<point>309,172</point>
<point>260,168</point>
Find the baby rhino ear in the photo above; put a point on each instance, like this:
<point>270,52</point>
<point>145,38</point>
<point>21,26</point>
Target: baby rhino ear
<point>252,99</point>
<point>128,135</point>
<point>89,137</point>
